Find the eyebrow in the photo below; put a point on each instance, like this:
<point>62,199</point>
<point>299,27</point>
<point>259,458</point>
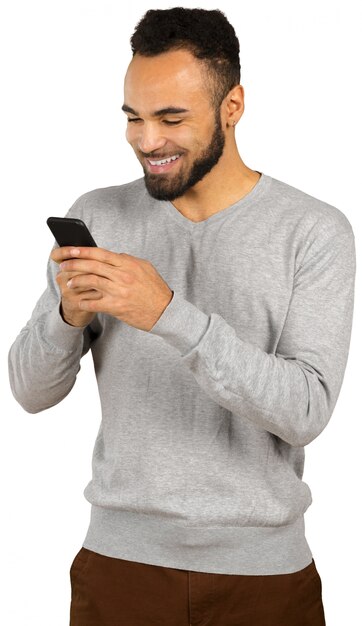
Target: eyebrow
<point>159,113</point>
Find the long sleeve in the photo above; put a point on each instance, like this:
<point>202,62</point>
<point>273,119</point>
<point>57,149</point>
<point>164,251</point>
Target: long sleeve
<point>44,359</point>
<point>293,392</point>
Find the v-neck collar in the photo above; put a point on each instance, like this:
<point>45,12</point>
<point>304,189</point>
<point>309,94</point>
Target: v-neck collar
<point>253,195</point>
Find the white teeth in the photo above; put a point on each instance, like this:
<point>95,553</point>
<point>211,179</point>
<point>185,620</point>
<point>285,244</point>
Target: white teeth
<point>173,158</point>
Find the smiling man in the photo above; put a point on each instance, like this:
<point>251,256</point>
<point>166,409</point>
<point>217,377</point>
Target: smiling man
<point>178,145</point>
<point>218,309</point>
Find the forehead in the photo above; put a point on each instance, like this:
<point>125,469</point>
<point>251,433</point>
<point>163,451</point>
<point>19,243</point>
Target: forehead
<point>173,75</point>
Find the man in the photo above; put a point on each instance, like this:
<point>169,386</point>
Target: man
<point>218,308</point>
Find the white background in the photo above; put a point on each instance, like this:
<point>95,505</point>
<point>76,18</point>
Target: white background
<point>62,134</point>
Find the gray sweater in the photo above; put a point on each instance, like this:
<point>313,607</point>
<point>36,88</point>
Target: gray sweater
<point>199,458</point>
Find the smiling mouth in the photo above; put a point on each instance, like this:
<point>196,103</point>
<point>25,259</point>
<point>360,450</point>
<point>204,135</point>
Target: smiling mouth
<point>158,166</point>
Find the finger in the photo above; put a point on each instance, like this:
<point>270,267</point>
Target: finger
<point>92,305</point>
<point>76,291</point>
<point>63,277</point>
<point>89,281</point>
<point>88,267</point>
<point>67,275</point>
<point>100,254</point>
<point>60,254</point>
<point>91,294</point>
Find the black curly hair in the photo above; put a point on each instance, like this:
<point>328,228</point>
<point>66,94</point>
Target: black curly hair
<point>206,34</point>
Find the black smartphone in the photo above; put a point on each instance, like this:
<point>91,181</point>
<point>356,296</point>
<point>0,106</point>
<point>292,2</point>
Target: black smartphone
<point>70,231</point>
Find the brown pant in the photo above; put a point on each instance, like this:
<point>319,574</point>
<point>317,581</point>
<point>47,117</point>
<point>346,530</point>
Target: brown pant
<point>113,592</point>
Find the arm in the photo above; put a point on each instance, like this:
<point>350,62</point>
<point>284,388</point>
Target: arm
<point>44,359</point>
<point>292,393</point>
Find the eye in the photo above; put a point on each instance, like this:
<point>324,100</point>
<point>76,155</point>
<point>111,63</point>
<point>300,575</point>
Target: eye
<point>136,119</point>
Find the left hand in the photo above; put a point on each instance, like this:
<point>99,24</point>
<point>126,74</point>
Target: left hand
<point>131,288</point>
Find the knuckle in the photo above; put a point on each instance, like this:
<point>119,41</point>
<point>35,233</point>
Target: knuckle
<point>128,278</point>
<point>131,260</point>
<point>125,292</point>
<point>59,278</point>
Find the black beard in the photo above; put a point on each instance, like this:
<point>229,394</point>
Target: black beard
<point>160,187</point>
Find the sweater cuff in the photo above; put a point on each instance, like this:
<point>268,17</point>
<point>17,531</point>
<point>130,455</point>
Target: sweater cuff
<point>60,334</point>
<point>181,324</point>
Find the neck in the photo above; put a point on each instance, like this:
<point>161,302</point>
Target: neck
<point>227,183</point>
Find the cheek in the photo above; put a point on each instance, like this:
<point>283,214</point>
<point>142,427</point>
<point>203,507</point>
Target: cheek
<point>182,135</point>
<point>129,134</point>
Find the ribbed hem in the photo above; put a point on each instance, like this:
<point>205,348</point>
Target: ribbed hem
<point>181,324</point>
<point>219,550</point>
<point>61,335</point>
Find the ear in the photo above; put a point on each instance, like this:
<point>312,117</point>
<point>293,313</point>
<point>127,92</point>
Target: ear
<point>234,105</point>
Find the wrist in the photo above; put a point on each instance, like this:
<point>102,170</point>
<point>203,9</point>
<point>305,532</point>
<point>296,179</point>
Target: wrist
<point>67,320</point>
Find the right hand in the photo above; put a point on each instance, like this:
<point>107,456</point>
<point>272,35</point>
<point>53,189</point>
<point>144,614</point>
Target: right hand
<point>69,307</point>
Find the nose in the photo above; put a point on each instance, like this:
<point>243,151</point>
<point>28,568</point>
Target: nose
<point>150,138</point>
